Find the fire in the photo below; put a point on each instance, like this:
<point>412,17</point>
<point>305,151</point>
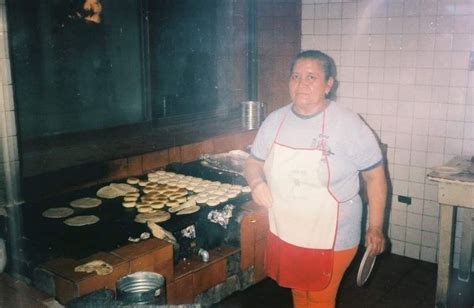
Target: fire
<point>94,8</point>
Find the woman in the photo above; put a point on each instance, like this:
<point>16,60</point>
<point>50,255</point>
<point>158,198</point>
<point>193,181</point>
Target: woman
<point>304,167</point>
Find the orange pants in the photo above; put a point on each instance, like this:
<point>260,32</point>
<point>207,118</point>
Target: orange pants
<point>326,298</point>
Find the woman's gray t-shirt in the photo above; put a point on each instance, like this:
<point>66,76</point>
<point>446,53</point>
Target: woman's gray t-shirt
<point>351,147</point>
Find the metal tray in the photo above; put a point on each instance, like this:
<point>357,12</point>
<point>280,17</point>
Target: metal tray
<point>232,161</point>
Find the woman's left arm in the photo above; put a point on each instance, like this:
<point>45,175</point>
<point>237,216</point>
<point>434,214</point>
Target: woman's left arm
<point>377,195</point>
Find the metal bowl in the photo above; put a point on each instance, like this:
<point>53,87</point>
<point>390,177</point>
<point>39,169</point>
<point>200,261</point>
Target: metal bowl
<point>141,288</point>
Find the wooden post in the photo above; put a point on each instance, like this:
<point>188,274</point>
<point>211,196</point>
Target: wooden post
<point>465,258</point>
<point>444,254</point>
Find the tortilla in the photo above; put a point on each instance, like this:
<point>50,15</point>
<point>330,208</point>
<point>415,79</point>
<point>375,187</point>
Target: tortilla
<point>181,199</point>
<point>133,180</point>
<point>189,210</point>
<point>58,212</point>
<point>85,203</point>
<point>246,189</point>
<point>182,206</point>
<point>78,221</point>
<point>145,209</point>
<point>223,199</point>
<point>125,188</point>
<point>156,217</point>
<point>109,192</point>
<point>98,266</point>
<point>129,204</point>
<point>130,199</point>
<point>149,190</point>
<point>176,195</point>
<point>153,179</point>
<point>201,200</point>
<point>225,186</point>
<point>213,202</point>
<point>199,189</point>
<point>158,204</point>
<point>132,194</point>
<point>172,203</point>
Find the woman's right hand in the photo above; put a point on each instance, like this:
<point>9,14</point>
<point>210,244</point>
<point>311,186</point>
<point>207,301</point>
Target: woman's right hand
<point>261,194</point>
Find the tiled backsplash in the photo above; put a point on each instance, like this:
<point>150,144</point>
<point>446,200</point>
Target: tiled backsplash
<point>403,65</point>
<point>9,162</point>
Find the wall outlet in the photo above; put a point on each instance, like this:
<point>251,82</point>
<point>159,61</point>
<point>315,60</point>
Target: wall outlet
<point>471,61</point>
<point>404,199</point>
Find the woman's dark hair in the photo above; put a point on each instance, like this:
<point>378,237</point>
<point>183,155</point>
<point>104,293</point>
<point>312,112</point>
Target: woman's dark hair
<point>327,63</point>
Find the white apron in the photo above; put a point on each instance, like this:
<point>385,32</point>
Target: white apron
<point>303,214</point>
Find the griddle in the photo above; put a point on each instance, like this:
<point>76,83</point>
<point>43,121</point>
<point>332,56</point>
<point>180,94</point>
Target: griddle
<point>42,239</point>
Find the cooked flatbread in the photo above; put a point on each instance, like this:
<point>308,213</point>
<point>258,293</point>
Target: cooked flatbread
<point>213,202</point>
<point>223,199</point>
<point>157,204</point>
<point>176,195</point>
<point>182,184</point>
<point>232,194</point>
<point>98,266</point>
<point>172,203</point>
<point>225,186</point>
<point>151,185</point>
<point>192,197</point>
<point>182,206</point>
<point>145,209</point>
<point>130,199</point>
<point>236,187</point>
<point>149,190</point>
<point>129,204</point>
<point>133,180</point>
<point>246,189</point>
<point>109,192</point>
<point>58,212</point>
<point>125,188</point>
<point>132,194</point>
<point>189,210</point>
<point>85,203</point>
<point>156,217</point>
<point>181,199</point>
<point>78,221</point>
<point>161,233</point>
<point>202,200</point>
<point>199,189</point>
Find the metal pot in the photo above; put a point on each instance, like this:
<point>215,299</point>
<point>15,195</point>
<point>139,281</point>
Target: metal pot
<point>253,113</point>
<point>141,288</point>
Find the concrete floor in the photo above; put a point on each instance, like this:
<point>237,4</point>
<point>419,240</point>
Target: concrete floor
<point>396,281</point>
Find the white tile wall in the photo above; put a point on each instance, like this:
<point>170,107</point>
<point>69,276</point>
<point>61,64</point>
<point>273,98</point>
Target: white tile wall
<point>403,65</point>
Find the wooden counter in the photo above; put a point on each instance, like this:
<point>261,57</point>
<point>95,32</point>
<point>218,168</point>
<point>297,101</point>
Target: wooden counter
<point>455,189</point>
